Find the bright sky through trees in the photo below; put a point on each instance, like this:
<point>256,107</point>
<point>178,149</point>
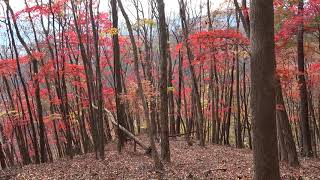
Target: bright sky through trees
<point>170,5</point>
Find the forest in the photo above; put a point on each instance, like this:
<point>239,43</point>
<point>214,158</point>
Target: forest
<point>126,89</point>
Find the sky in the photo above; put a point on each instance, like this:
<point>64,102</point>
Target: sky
<point>170,5</point>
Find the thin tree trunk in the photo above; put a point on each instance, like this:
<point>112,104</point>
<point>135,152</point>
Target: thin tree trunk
<point>99,87</point>
<point>193,75</point>
<point>304,116</point>
<point>239,142</point>
<point>2,158</point>
<point>165,147</point>
<point>288,146</point>
<point>34,135</point>
<point>157,163</point>
<point>227,128</point>
<point>117,77</point>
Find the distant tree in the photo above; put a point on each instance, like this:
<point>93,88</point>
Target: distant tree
<point>304,111</point>
<point>117,76</point>
<point>150,122</point>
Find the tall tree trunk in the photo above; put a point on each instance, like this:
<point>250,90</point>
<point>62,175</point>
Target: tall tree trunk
<point>263,97</point>
<point>212,89</point>
<point>246,116</point>
<point>179,101</point>
<point>89,77</point>
<point>227,128</point>
<point>34,134</point>
<point>117,77</point>
<point>238,132</point>
<point>285,128</point>
<point>200,119</point>
<point>171,88</point>
<point>21,139</point>
<point>163,36</point>
<point>42,129</point>
<point>306,136</point>
<point>313,125</point>
<point>64,105</point>
<point>99,87</point>
<point>157,163</point>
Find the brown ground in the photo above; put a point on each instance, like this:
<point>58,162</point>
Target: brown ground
<point>188,162</point>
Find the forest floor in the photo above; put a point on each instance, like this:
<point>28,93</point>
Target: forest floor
<point>187,162</point>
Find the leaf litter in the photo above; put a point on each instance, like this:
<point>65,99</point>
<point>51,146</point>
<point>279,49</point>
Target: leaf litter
<point>187,162</point>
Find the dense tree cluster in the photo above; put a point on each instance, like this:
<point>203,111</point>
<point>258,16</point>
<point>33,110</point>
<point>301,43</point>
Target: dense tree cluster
<point>247,75</point>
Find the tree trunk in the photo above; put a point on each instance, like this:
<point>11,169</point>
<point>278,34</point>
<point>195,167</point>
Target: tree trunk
<point>285,129</point>
<point>34,134</point>
<point>2,158</point>
<point>227,128</point>
<point>89,78</point>
<point>238,132</point>
<point>163,36</point>
<point>193,75</point>
<point>179,101</point>
<point>212,89</point>
<point>304,116</point>
<point>117,71</point>
<point>157,163</point>
<point>99,86</point>
<point>263,97</point>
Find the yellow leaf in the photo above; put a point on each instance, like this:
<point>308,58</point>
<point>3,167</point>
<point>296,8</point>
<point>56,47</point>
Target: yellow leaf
<point>13,113</point>
<point>170,89</point>
<point>112,31</point>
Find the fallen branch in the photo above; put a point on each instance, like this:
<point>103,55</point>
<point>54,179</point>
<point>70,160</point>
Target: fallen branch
<point>128,133</point>
<point>179,135</point>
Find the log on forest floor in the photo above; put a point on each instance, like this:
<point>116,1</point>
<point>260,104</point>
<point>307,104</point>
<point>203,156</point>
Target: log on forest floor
<point>128,133</point>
